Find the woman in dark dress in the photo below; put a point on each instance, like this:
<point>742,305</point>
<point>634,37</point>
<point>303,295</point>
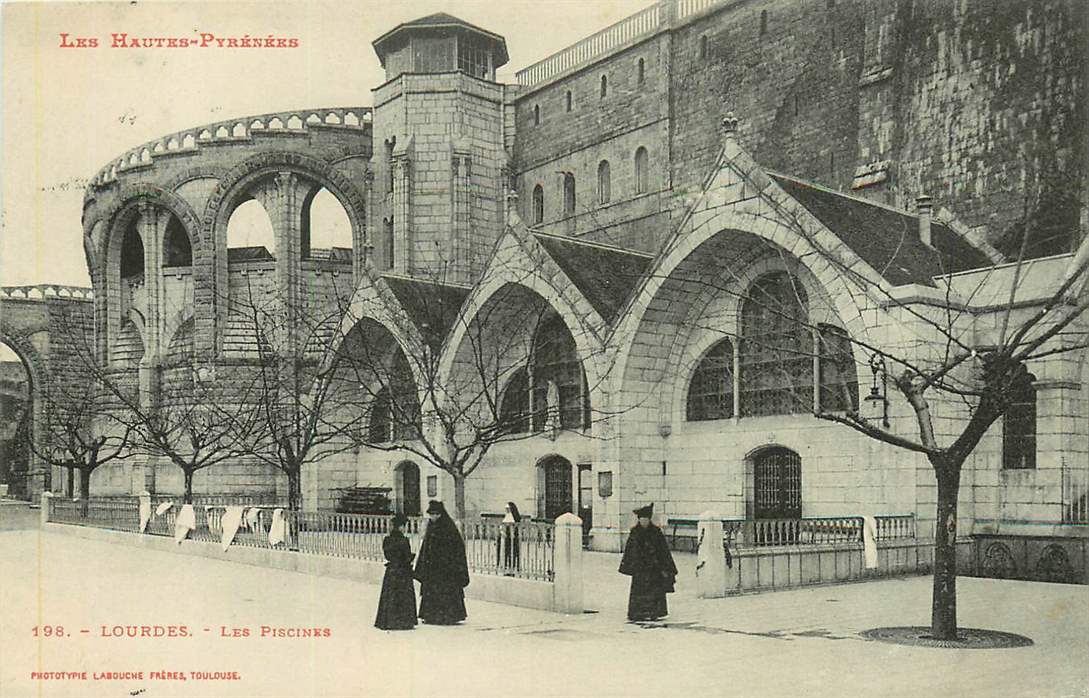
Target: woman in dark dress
<point>442,569</point>
<point>397,604</point>
<point>648,562</point>
<point>507,546</point>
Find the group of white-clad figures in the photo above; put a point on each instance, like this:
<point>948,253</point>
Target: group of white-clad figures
<point>442,569</point>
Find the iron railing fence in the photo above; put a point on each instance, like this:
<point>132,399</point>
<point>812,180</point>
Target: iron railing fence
<point>1076,495</point>
<point>115,514</point>
<point>524,550</point>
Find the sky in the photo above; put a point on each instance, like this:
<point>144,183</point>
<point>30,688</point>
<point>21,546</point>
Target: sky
<point>67,112</point>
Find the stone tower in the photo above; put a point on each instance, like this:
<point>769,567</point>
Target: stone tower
<point>439,161</point>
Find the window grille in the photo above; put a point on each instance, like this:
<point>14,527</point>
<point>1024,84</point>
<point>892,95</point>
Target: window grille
<point>776,348</point>
<point>711,391</point>
<point>838,373</point>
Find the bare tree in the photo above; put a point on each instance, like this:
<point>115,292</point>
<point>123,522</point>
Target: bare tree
<point>291,421</point>
<point>447,387</point>
<point>946,369</point>
<point>78,436</point>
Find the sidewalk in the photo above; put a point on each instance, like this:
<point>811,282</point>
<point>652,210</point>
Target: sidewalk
<point>802,642</point>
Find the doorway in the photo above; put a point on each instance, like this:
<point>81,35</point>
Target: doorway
<point>556,472</point>
<point>408,489</point>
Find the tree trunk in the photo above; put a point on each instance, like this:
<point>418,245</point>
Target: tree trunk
<point>943,618</point>
<point>294,489</point>
<point>188,486</point>
<point>459,496</point>
<point>84,490</point>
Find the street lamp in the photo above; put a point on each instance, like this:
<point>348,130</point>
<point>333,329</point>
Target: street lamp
<point>875,407</point>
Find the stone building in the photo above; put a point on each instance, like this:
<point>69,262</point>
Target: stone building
<point>616,214</point>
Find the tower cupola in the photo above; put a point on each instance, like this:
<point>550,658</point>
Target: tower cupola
<point>441,43</point>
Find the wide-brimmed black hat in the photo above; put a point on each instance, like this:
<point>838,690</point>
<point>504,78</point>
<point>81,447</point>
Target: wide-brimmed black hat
<point>645,512</point>
<point>435,507</point>
<point>399,520</point>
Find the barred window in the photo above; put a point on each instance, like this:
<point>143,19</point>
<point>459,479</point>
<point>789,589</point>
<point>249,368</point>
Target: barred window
<point>776,348</point>
<point>556,361</point>
<point>1019,426</point>
<point>711,392</point>
<point>838,373</point>
<point>474,58</point>
<point>604,183</point>
<point>604,86</point>
<point>568,100</point>
<point>514,406</point>
<point>641,71</point>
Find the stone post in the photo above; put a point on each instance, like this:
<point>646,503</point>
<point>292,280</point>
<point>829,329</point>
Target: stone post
<point>711,562</point>
<point>44,513</point>
<point>567,584</point>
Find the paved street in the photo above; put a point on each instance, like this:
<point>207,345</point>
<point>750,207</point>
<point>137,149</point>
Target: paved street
<point>802,642</point>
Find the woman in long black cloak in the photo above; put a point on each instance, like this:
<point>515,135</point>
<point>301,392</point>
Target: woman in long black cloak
<point>442,570</point>
<point>397,604</point>
<point>648,562</point>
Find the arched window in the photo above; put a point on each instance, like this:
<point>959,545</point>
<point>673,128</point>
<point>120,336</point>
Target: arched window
<point>555,362</point>
<point>177,252</point>
<point>604,183</point>
<point>378,429</point>
<point>514,406</point>
<point>538,204</point>
<point>703,47</point>
<point>568,193</point>
<point>326,228</point>
<point>838,373</point>
<point>604,86</point>
<point>395,409</point>
<point>763,22</point>
<point>776,348</point>
<point>641,71</point>
<point>1019,425</point>
<point>536,115</point>
<point>568,100</point>
<point>132,254</point>
<point>711,391</point>
<point>641,175</point>
<point>250,228</point>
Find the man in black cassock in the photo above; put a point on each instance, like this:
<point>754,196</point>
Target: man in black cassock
<point>442,569</point>
<point>648,562</point>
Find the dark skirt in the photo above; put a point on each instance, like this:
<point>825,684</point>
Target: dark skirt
<point>647,599</point>
<point>442,604</point>
<point>397,604</point>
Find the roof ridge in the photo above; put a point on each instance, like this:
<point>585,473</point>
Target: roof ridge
<point>852,197</point>
<point>405,277</point>
<point>592,243</point>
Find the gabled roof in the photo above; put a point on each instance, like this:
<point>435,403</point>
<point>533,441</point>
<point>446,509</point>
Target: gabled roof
<point>441,20</point>
<point>432,307</point>
<point>886,238</point>
<point>605,275</point>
